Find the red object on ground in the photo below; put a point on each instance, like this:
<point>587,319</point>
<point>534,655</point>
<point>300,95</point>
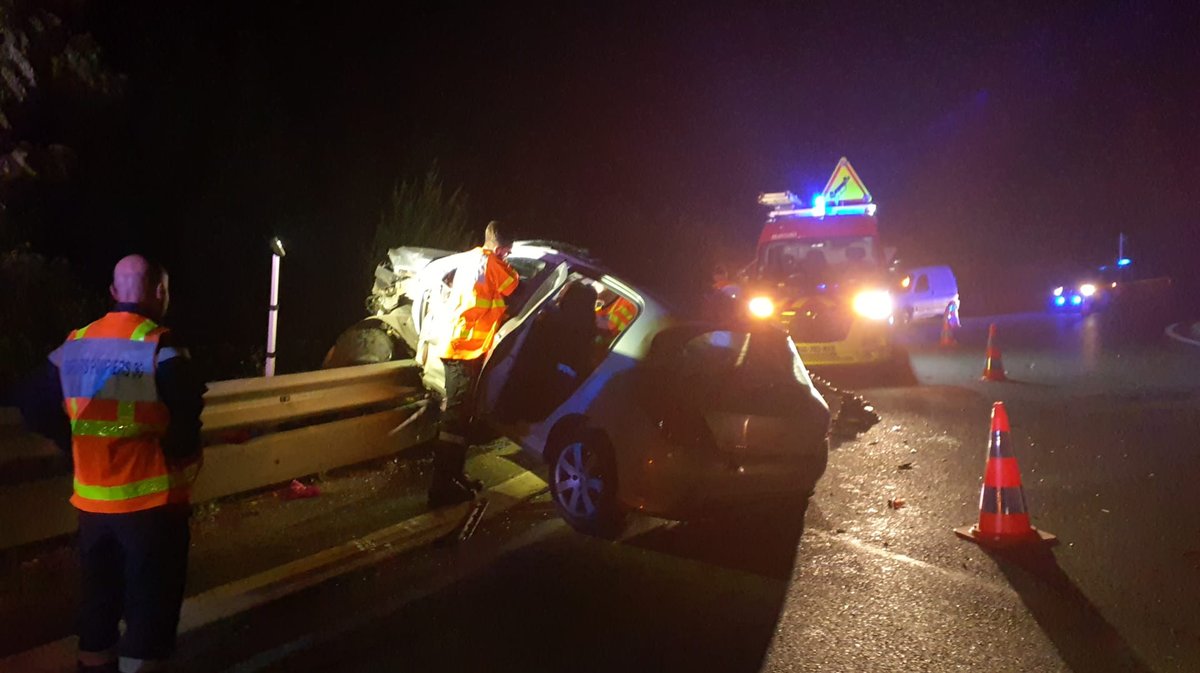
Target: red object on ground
<point>1003,513</point>
<point>297,490</point>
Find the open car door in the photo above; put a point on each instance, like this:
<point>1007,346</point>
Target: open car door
<point>510,337</point>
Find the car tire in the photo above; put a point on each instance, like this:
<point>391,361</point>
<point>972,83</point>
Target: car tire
<point>368,342</point>
<point>583,484</point>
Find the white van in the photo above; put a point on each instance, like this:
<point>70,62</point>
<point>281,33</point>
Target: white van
<point>926,292</point>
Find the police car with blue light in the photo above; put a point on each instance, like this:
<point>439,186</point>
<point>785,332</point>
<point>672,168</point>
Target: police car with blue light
<point>1096,290</point>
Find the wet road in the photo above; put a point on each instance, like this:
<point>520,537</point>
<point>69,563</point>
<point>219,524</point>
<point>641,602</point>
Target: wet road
<point>1105,414</point>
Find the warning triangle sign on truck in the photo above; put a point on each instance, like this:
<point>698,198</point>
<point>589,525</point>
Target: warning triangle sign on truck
<point>845,186</point>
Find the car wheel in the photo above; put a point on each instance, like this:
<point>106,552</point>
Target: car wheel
<point>368,342</point>
<point>583,485</point>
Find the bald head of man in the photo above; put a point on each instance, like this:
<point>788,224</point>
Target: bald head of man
<point>136,280</point>
<point>496,239</point>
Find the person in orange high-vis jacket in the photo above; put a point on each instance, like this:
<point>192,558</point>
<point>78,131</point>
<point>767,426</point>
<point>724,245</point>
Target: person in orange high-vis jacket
<point>480,284</point>
<point>619,314</point>
<point>132,404</point>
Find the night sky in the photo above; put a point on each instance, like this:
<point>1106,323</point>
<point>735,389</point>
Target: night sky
<point>1009,141</point>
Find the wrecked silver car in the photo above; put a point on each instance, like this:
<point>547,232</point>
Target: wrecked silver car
<point>631,407</point>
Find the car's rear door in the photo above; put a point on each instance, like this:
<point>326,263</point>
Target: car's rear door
<point>749,389</point>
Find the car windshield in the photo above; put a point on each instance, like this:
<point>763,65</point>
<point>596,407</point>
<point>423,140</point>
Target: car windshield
<point>810,261</point>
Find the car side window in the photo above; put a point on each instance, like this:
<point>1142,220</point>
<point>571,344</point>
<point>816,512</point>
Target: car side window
<point>527,271</point>
<point>614,314</point>
<point>922,284</point>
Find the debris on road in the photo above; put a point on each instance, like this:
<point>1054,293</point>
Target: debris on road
<point>905,466</point>
<point>463,530</point>
<point>896,503</point>
<point>297,490</point>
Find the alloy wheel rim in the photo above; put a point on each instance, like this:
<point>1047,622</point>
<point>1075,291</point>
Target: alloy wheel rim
<point>578,487</point>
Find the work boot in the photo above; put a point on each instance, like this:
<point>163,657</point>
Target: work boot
<point>451,491</point>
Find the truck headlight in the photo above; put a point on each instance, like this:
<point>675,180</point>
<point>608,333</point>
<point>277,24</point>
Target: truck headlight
<point>1087,289</point>
<point>762,307</point>
<point>873,304</point>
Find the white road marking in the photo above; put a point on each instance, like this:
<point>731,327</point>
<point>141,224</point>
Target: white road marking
<point>958,575</point>
<point>1174,334</point>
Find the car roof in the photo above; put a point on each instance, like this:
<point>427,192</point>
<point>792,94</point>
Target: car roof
<point>579,257</point>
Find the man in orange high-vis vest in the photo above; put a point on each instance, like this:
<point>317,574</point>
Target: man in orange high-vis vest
<point>619,315</point>
<point>132,404</point>
<point>481,282</point>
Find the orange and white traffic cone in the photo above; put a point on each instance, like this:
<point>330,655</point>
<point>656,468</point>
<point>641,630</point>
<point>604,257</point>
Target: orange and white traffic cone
<point>1003,513</point>
<point>993,367</point>
<point>948,339</point>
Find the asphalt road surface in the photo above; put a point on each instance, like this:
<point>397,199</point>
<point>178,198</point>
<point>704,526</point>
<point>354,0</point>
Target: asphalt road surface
<point>1105,412</point>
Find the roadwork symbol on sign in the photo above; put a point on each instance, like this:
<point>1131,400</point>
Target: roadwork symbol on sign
<point>845,186</point>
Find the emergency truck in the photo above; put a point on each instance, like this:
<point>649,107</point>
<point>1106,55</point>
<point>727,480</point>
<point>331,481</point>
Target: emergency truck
<point>822,274</point>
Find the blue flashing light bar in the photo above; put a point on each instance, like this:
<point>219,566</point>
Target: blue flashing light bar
<point>1060,300</point>
<point>824,211</point>
<point>1076,300</point>
<point>1124,261</point>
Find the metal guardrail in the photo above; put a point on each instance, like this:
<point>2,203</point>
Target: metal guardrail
<point>257,432</point>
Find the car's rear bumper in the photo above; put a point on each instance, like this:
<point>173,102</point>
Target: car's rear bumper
<point>706,481</point>
<point>742,482</point>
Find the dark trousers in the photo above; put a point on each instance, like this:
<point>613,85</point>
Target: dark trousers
<point>450,452</point>
<point>134,566</point>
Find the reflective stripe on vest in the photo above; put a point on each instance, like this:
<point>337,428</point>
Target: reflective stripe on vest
<point>171,480</point>
<point>480,302</point>
<point>621,314</point>
<point>125,425</point>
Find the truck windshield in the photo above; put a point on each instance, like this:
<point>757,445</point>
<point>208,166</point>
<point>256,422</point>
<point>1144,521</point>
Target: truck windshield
<point>819,260</point>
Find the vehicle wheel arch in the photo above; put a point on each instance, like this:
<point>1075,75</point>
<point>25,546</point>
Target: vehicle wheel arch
<point>565,428</point>
<point>364,343</point>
